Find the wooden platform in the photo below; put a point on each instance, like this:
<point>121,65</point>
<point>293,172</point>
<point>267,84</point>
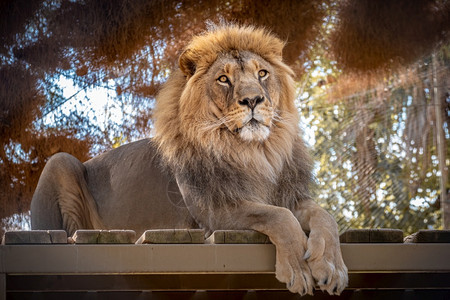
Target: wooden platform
<point>211,271</point>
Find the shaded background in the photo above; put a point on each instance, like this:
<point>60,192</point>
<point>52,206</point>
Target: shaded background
<point>372,79</point>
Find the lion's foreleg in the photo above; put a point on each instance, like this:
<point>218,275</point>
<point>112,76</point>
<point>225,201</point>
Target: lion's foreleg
<point>323,249</point>
<point>278,223</point>
<point>285,232</point>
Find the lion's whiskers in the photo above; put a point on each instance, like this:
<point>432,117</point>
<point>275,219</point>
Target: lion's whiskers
<point>278,119</point>
<point>209,125</point>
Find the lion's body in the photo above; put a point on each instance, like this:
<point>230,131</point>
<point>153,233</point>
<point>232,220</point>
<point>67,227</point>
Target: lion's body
<point>226,127</point>
<point>129,188</point>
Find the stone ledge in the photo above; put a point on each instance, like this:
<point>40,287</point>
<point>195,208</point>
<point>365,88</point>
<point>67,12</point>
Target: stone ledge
<point>429,236</point>
<point>172,236</point>
<point>34,237</point>
<point>238,237</point>
<point>104,237</point>
<point>381,235</point>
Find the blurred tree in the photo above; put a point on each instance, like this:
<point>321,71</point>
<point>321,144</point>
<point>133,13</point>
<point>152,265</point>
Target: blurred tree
<point>375,143</point>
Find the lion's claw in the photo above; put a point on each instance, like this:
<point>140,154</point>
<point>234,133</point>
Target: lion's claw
<point>294,272</point>
<point>327,267</point>
<point>307,255</point>
<point>323,281</point>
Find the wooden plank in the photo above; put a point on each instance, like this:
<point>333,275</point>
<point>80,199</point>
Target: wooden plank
<point>104,237</point>
<point>35,237</point>
<point>172,236</point>
<point>213,281</point>
<point>380,235</point>
<point>429,236</point>
<point>238,237</point>
<point>125,258</point>
<point>129,258</point>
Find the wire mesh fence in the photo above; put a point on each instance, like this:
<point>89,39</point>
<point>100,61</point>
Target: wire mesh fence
<point>376,150</point>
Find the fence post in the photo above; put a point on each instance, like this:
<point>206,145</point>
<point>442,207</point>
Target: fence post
<point>440,138</point>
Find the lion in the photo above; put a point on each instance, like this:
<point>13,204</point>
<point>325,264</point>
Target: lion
<point>227,142</point>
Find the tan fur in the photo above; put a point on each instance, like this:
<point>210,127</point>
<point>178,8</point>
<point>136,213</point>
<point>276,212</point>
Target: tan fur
<point>78,208</point>
<point>183,112</point>
<point>232,147</point>
<point>124,188</point>
<point>236,176</point>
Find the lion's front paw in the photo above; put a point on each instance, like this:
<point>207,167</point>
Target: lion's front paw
<point>325,261</point>
<point>292,269</point>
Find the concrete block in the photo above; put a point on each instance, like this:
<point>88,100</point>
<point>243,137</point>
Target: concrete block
<point>35,237</point>
<point>380,235</point>
<point>238,237</point>
<point>172,236</point>
<point>104,236</point>
<point>429,236</point>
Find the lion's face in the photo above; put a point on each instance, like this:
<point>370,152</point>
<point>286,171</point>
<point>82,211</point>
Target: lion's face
<point>232,97</point>
<point>242,90</point>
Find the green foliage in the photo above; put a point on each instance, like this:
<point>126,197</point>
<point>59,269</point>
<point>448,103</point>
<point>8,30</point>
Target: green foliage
<point>373,168</point>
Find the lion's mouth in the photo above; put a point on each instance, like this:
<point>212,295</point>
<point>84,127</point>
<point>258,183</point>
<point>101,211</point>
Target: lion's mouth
<point>251,122</point>
<point>253,130</point>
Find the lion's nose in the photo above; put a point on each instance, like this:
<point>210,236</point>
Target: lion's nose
<point>251,102</point>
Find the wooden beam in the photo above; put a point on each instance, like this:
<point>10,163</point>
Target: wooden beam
<point>197,258</point>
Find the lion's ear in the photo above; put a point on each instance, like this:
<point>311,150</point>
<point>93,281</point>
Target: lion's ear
<point>187,63</point>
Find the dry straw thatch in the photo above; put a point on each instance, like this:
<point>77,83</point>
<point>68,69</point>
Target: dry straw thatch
<point>383,34</point>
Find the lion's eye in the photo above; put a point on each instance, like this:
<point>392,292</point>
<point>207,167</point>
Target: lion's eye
<point>223,79</point>
<point>263,73</point>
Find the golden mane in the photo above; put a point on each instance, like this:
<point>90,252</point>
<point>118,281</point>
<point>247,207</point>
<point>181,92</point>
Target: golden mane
<point>205,48</point>
<point>181,133</point>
